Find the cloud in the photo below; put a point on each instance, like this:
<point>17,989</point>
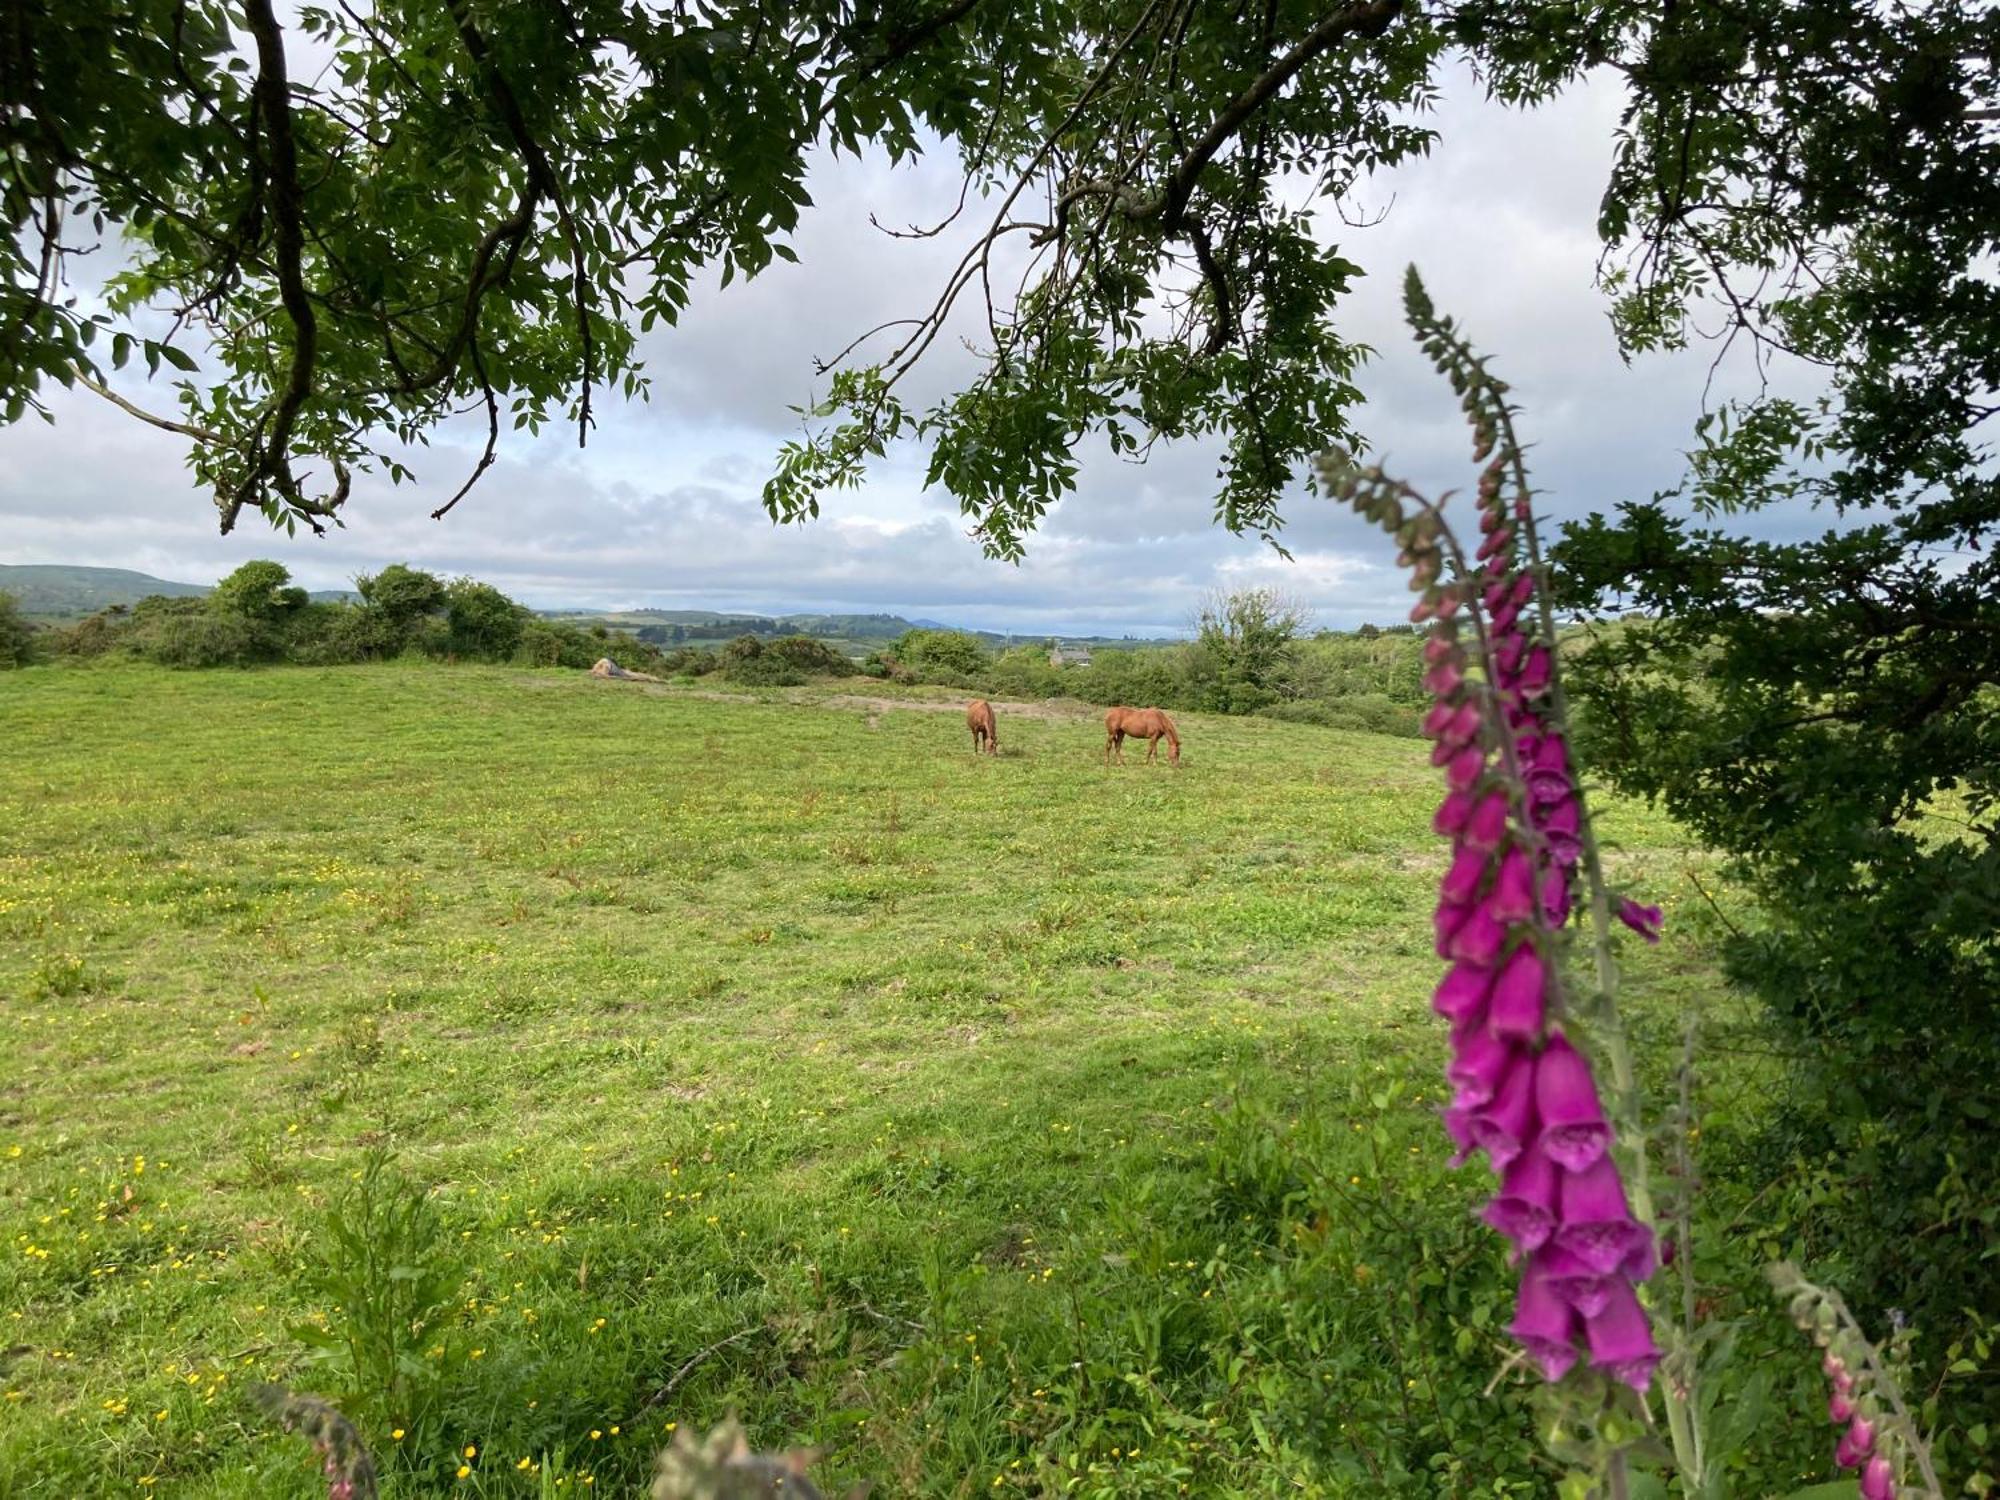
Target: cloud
<point>663,507</point>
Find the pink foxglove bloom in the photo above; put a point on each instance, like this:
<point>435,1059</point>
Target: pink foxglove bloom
<point>1477,939</point>
<point>1513,898</point>
<point>1507,1123</point>
<point>1535,673</point>
<point>1644,920</point>
<point>1480,1067</point>
<point>1461,994</point>
<point>1463,770</point>
<point>1576,1283</point>
<point>1452,814</point>
<point>1597,1226</point>
<point>1621,1340</point>
<point>1525,1207</point>
<point>1461,882</point>
<point>1519,997</point>
<point>1487,824</point>
<point>1574,1130</point>
<point>1878,1480</point>
<point>1544,1325</point>
<point>1860,1439</point>
<point>1839,1409</point>
<point>1555,896</point>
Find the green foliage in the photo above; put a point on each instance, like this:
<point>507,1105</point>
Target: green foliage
<point>260,591</point>
<point>380,1268</point>
<point>18,646</point>
<point>483,623</point>
<point>1245,650</point>
<point>401,594</point>
<point>787,661</point>
<point>206,638</point>
<point>939,655</point>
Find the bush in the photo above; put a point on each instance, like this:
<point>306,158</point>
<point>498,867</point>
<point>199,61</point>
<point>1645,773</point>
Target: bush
<point>401,594</point>
<point>813,657</point>
<point>941,655</point>
<point>746,661</point>
<point>259,590</point>
<point>331,635</point>
<point>207,638</point>
<point>17,636</point>
<point>1370,712</point>
<point>482,622</point>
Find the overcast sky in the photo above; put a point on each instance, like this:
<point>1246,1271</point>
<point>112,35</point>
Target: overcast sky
<point>662,508</point>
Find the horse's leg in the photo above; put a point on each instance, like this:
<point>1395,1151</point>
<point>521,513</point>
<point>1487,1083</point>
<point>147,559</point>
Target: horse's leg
<point>1152,747</point>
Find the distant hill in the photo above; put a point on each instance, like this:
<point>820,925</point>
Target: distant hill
<point>58,591</point>
<point>55,591</point>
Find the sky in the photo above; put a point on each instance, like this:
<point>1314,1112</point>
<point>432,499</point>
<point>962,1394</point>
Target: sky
<point>663,507</point>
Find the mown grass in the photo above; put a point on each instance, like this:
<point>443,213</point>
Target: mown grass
<point>1000,1126</point>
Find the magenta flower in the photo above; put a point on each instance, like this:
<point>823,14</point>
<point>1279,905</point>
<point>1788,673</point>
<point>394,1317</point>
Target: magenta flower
<point>1576,1283</point>
<point>1544,1325</point>
<point>1507,1122</point>
<point>1519,994</point>
<point>1461,881</point>
<point>1477,939</point>
<point>1878,1480</point>
<point>1555,896</point>
<point>1461,994</point>
<point>1486,826</point>
<point>1513,898</point>
<point>1860,1439</point>
<point>1535,673</point>
<point>1621,1340</point>
<point>1597,1226</point>
<point>1574,1130</point>
<point>1644,920</point>
<point>1463,770</point>
<point>1839,1409</point>
<point>1445,924</point>
<point>1525,1207</point>
<point>1452,814</point>
<point>1522,1095</point>
<point>1442,680</point>
<point>1480,1066</point>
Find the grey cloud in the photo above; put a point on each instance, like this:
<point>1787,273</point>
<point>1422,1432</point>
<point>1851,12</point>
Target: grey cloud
<point>662,508</point>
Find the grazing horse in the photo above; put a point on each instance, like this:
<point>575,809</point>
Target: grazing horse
<point>1147,724</point>
<point>985,734</point>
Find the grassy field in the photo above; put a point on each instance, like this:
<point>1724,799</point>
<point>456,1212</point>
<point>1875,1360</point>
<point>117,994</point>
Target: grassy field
<point>998,1126</point>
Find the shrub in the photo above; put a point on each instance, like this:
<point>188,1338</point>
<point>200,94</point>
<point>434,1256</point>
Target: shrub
<point>746,661</point>
<point>808,655</point>
<point>17,636</point>
<point>482,622</point>
<point>401,594</point>
<point>206,639</point>
<point>1370,712</point>
<point>328,635</point>
<point>941,655</point>
<point>259,590</point>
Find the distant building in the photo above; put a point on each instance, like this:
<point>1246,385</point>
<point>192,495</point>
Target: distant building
<point>1069,656</point>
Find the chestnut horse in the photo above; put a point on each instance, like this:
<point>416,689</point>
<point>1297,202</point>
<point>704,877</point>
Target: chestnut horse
<point>1147,724</point>
<point>985,733</point>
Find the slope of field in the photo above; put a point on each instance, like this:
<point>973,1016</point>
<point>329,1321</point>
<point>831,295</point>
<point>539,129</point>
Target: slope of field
<point>762,1056</point>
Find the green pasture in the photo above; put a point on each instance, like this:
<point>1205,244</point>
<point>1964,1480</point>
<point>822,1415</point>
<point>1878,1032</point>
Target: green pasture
<point>997,1126</point>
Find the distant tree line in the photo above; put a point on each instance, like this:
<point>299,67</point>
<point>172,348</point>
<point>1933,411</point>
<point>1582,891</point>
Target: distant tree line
<point>1251,654</point>
<point>258,617</point>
